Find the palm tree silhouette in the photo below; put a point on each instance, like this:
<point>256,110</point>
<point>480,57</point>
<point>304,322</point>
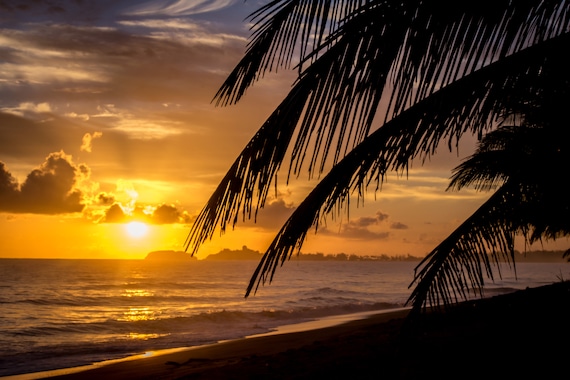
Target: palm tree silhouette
<point>523,161</point>
<point>379,84</point>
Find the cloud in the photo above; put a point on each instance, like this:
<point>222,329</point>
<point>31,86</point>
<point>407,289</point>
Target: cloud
<point>105,198</point>
<point>161,214</point>
<point>130,66</point>
<point>166,214</point>
<point>75,115</point>
<point>398,226</point>
<point>52,188</point>
<point>87,139</point>
<point>114,214</point>
<point>28,109</point>
<point>358,229</point>
<point>24,141</point>
<point>109,11</point>
<point>272,215</point>
<point>356,233</point>
<point>8,184</point>
<point>369,220</point>
<point>72,65</point>
<point>177,7</point>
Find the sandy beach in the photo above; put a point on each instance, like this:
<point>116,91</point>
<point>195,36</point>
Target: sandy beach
<point>523,334</point>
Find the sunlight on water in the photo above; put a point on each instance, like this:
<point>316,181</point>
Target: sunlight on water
<point>139,314</point>
<point>136,293</point>
<point>140,336</point>
<point>63,313</point>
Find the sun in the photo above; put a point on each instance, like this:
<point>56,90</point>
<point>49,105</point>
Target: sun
<point>136,229</point>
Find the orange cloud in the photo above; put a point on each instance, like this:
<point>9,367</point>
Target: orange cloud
<point>87,140</point>
<point>163,214</point>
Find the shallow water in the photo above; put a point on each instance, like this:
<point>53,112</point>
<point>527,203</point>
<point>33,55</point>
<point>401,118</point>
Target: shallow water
<point>63,313</point>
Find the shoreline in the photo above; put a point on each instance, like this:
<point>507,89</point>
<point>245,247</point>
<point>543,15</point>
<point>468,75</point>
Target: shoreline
<point>519,334</point>
<point>310,328</point>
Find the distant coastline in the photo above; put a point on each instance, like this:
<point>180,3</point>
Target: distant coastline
<point>248,254</point>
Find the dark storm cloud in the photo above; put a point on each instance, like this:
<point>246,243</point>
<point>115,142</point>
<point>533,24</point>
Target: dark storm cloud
<point>49,189</point>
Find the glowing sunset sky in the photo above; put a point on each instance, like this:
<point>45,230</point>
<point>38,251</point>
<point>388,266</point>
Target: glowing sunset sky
<point>106,119</point>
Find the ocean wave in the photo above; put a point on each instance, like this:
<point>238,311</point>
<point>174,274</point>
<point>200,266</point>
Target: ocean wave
<point>150,284</point>
<point>81,343</point>
<point>228,319</point>
<point>126,299</point>
<point>72,312</point>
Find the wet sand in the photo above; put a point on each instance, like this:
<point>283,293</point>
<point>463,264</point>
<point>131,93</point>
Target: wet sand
<point>525,334</point>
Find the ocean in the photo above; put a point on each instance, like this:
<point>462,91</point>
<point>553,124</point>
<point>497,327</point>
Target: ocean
<point>66,313</point>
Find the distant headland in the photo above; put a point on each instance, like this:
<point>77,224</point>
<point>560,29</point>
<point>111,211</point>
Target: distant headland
<point>243,254</point>
<point>170,256</point>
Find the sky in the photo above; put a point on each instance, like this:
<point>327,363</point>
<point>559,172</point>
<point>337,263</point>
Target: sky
<point>110,144</point>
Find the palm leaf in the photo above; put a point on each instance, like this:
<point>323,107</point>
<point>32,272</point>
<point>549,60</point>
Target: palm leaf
<point>528,157</point>
<point>477,100</point>
<point>279,27</point>
<point>459,263</point>
<point>337,96</point>
<point>469,34</point>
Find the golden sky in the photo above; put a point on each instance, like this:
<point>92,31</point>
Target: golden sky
<point>106,118</point>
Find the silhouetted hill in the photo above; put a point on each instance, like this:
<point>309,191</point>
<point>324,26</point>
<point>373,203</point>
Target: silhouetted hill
<point>243,254</point>
<point>169,256</point>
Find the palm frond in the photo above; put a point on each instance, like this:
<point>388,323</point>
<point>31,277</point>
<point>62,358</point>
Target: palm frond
<point>476,101</point>
<point>443,73</point>
<point>458,264</point>
<point>462,261</point>
<point>250,174</point>
<point>281,29</point>
<point>337,96</point>
<point>529,158</point>
<point>441,47</point>
<point>499,156</point>
<point>433,48</point>
<point>422,50</point>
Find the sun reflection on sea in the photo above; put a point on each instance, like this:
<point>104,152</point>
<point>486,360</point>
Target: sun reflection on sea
<point>140,336</point>
<point>142,313</point>
<point>136,293</point>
